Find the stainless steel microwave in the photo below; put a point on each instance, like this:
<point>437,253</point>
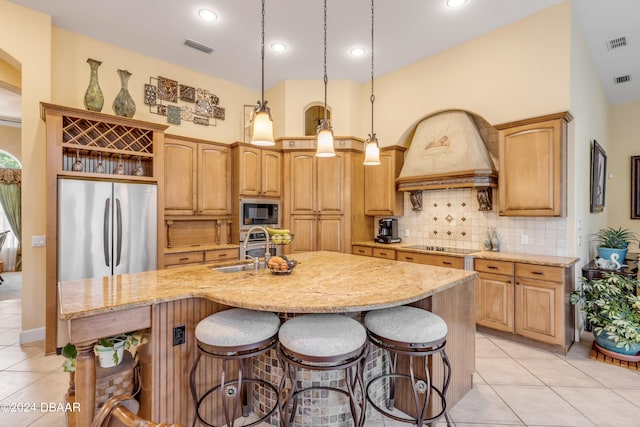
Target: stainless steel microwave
<point>264,212</point>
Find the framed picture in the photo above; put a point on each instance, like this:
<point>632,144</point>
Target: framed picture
<point>635,187</point>
<point>598,177</point>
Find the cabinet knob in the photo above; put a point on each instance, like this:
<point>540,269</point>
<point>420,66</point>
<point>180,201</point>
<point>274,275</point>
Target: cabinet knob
<point>446,262</point>
<point>408,258</point>
<point>492,267</point>
<point>538,273</point>
<point>383,253</point>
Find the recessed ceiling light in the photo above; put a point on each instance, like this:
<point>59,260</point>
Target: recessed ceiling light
<point>358,51</point>
<point>455,3</point>
<point>207,15</point>
<point>278,47</point>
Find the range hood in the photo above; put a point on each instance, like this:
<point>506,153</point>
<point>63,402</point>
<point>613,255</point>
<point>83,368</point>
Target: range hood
<point>447,151</point>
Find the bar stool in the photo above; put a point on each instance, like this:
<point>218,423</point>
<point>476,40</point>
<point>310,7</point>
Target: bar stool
<point>416,333</point>
<point>322,342</point>
<point>234,335</point>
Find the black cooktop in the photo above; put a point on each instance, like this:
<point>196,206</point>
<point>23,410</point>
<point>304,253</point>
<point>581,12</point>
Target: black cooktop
<point>442,249</point>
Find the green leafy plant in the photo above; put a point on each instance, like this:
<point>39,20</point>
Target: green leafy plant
<point>70,355</point>
<point>612,307</point>
<point>615,238</point>
<point>129,339</point>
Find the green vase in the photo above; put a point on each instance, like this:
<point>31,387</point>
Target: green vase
<point>93,97</point>
<point>123,105</point>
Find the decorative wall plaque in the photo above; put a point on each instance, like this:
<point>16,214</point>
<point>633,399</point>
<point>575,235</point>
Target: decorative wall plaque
<point>180,102</point>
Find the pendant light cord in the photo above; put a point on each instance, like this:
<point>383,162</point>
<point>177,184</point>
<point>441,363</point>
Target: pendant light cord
<point>262,50</point>
<point>325,62</point>
<point>373,97</point>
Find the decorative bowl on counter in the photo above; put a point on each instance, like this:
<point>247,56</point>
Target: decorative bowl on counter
<point>281,265</point>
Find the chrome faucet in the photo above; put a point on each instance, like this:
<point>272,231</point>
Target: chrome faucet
<point>267,254</point>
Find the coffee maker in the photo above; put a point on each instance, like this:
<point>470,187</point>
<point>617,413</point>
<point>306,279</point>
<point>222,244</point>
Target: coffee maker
<point>388,231</point>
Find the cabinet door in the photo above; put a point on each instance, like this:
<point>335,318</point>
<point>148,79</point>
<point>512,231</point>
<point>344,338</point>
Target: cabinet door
<point>303,183</point>
<point>494,301</point>
<point>380,194</point>
<point>249,181</point>
<point>531,168</point>
<point>304,228</point>
<point>330,234</point>
<point>214,180</point>
<point>271,173</point>
<point>180,180</point>
<point>538,310</point>
<point>331,185</point>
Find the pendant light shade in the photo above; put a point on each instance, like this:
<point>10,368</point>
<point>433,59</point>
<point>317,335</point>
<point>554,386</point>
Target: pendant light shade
<point>262,125</point>
<point>324,133</point>
<point>372,149</point>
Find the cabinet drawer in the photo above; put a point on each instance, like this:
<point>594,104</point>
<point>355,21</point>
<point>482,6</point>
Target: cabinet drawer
<point>429,259</point>
<point>221,255</point>
<point>362,250</point>
<point>540,272</point>
<point>491,266</point>
<point>384,253</point>
<point>183,258</point>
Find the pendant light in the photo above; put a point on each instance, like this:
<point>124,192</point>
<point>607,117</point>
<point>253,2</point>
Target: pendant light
<point>372,149</point>
<point>324,133</point>
<point>262,124</point>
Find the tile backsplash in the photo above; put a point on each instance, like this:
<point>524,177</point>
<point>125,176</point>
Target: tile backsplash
<point>451,218</point>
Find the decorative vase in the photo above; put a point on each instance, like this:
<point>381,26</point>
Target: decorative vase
<point>607,343</point>
<point>93,97</point>
<point>495,241</point>
<point>123,105</point>
<point>607,252</point>
<point>487,241</point>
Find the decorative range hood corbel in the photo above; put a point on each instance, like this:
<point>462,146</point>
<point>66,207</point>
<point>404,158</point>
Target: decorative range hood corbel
<point>447,151</point>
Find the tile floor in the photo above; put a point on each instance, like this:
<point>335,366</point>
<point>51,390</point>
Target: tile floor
<point>515,385</point>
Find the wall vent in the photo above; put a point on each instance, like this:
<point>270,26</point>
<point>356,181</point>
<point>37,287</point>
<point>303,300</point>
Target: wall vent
<point>616,43</point>
<point>622,79</point>
<point>199,46</point>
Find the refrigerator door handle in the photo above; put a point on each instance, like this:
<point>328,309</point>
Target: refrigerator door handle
<point>105,236</point>
<point>119,219</point>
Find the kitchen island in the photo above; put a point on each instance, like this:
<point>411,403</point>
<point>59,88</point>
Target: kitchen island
<point>159,301</point>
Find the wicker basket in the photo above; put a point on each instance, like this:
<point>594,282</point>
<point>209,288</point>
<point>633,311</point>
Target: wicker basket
<point>117,380</point>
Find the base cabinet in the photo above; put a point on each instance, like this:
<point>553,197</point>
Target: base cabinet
<point>494,301</point>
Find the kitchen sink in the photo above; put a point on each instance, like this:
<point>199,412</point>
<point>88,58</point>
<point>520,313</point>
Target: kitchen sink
<point>237,268</point>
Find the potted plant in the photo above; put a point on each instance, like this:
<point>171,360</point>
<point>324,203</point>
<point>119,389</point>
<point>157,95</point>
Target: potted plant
<point>111,350</point>
<point>613,309</point>
<point>611,240</point>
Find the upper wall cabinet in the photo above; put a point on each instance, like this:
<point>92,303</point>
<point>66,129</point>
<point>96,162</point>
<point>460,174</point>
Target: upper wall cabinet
<point>258,171</point>
<point>380,194</point>
<point>532,177</point>
<point>197,177</point>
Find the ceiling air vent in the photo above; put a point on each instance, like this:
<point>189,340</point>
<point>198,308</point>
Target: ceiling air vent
<point>616,43</point>
<point>199,46</point>
<point>622,79</point>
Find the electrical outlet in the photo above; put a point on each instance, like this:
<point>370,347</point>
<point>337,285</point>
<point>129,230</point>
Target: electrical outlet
<point>407,233</point>
<point>38,241</point>
<point>524,239</point>
<point>179,335</point>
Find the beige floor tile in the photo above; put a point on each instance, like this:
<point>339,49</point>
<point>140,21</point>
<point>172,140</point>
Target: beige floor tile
<point>39,362</point>
<point>557,372</point>
<point>631,394</point>
<point>518,350</point>
<point>9,336</point>
<point>504,371</point>
<point>12,306</point>
<point>486,348</point>
<point>609,375</point>
<point>12,354</point>
<point>483,405</point>
<point>604,407</point>
<point>541,406</point>
<point>51,419</point>
<point>477,379</point>
<point>11,321</point>
<point>13,382</point>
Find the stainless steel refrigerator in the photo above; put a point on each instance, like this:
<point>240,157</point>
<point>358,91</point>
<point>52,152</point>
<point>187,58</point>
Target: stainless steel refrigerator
<point>105,228</point>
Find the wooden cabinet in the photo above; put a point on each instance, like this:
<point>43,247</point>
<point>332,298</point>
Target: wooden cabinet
<point>494,294</point>
<point>539,305</point>
<point>258,171</point>
<point>380,194</point>
<point>532,179</point>
<point>373,251</point>
<point>197,178</point>
<point>431,259</point>
<point>528,300</point>
<point>323,202</point>
<point>207,255</point>
<point>384,253</point>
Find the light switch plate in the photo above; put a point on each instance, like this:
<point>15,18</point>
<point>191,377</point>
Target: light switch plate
<point>38,241</point>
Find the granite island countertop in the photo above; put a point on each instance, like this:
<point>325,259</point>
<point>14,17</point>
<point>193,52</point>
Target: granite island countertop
<point>322,282</point>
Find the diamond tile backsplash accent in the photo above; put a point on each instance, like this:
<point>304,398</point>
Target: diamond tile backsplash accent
<point>466,226</point>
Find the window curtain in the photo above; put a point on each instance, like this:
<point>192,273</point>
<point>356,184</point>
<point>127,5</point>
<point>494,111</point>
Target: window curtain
<point>10,194</point>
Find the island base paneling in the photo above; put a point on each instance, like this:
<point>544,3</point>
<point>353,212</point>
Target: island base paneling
<point>165,368</point>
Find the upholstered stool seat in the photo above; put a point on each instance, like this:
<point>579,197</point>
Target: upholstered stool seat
<point>234,335</point>
<point>416,333</point>
<point>322,342</point>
